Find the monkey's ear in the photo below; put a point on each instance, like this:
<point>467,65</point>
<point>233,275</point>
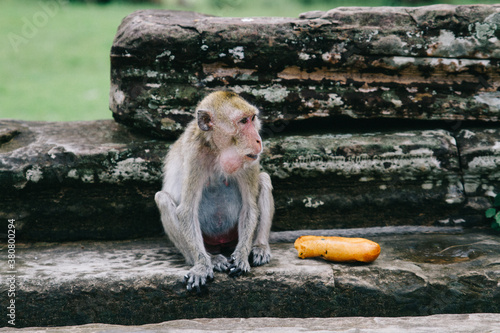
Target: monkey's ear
<point>204,120</point>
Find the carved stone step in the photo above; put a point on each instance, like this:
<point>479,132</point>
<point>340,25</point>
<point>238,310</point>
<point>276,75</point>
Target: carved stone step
<point>97,180</point>
<point>79,180</point>
<point>480,161</point>
<point>445,323</point>
<point>138,282</point>
<point>428,63</point>
<point>357,180</point>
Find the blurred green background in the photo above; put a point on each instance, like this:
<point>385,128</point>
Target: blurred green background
<point>54,54</point>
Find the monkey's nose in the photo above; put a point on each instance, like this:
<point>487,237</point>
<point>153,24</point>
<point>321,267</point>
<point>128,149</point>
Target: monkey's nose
<point>257,147</point>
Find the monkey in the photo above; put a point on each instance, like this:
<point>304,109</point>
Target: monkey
<point>214,199</point>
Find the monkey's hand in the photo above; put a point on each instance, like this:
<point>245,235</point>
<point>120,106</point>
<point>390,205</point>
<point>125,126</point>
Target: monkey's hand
<point>239,265</point>
<point>260,255</point>
<point>220,263</point>
<point>198,276</point>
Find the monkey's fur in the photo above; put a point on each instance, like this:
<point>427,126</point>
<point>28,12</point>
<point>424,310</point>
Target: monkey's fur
<point>214,195</point>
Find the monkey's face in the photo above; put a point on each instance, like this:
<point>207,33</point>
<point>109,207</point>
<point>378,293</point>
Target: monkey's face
<point>233,128</point>
<point>240,144</point>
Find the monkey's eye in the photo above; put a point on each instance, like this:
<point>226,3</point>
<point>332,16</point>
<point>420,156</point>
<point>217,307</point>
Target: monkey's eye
<point>247,119</point>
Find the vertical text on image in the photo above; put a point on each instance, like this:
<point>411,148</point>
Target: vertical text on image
<point>11,273</point>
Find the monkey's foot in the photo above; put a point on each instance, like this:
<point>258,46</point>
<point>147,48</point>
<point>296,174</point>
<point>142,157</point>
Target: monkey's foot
<point>260,255</point>
<point>198,276</point>
<point>238,266</point>
<point>220,263</point>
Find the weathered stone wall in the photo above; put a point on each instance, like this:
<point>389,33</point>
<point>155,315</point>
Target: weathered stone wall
<point>395,89</point>
<point>428,63</point>
<point>367,117</point>
<point>355,180</point>
<point>97,180</point>
<point>480,161</point>
<point>78,180</point>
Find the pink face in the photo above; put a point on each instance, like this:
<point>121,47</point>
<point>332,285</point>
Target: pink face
<point>250,134</point>
<point>242,147</point>
<point>238,140</point>
<point>233,127</point>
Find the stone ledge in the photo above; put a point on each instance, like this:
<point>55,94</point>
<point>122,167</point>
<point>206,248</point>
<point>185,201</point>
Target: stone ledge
<point>480,159</point>
<point>480,163</point>
<point>105,178</point>
<point>463,323</point>
<point>322,179</point>
<point>98,173</point>
<point>428,63</point>
<point>139,282</point>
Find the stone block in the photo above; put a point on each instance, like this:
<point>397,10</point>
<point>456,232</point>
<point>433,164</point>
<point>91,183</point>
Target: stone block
<point>139,282</point>
<point>447,323</point>
<point>78,180</point>
<point>356,180</point>
<point>428,63</point>
<point>480,160</point>
<point>97,180</point>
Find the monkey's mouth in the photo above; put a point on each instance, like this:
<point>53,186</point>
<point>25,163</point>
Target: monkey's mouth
<point>252,156</point>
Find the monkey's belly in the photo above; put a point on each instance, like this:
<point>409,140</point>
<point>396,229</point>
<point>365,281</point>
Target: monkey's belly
<point>218,214</point>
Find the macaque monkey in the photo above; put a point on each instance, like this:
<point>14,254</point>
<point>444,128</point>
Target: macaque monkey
<point>214,199</point>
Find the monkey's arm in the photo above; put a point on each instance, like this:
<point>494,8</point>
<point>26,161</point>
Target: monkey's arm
<point>178,203</point>
<point>247,224</point>
<point>184,238</point>
<point>189,224</point>
<point>261,251</point>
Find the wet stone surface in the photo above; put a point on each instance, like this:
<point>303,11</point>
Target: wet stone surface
<point>444,251</point>
<point>138,282</point>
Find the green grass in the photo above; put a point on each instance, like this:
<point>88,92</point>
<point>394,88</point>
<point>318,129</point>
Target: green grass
<point>59,71</point>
